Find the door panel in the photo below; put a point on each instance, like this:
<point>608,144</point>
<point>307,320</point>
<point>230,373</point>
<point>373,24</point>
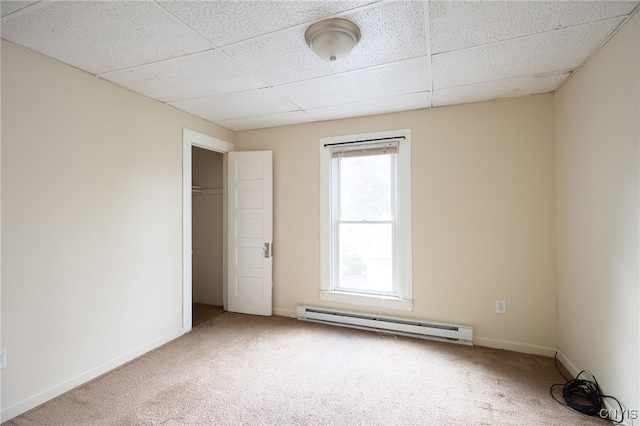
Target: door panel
<point>250,236</point>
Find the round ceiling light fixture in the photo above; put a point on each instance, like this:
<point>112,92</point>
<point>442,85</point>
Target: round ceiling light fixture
<point>332,39</point>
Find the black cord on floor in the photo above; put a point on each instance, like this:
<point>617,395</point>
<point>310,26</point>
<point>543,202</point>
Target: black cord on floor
<point>584,396</point>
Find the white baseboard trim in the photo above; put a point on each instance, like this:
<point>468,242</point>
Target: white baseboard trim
<point>84,377</point>
<point>570,366</point>
<point>285,313</point>
<point>514,346</point>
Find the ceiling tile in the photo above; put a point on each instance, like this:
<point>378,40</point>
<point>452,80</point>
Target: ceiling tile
<point>195,76</point>
<point>225,22</point>
<point>264,121</point>
<point>102,36</point>
<point>237,105</point>
<point>7,7</point>
<point>499,89</point>
<point>245,64</point>
<point>390,32</point>
<point>456,25</point>
<point>374,106</point>
<point>373,83</point>
<point>559,50</point>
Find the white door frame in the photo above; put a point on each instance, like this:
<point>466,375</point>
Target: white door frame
<point>191,138</point>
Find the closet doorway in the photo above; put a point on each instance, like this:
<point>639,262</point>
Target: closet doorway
<point>207,224</point>
<point>190,139</point>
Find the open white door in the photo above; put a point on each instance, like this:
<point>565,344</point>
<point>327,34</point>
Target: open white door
<point>250,233</point>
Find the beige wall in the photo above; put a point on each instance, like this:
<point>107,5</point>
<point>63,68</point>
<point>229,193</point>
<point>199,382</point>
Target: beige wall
<point>598,187</point>
<point>91,225</point>
<point>483,215</point>
<point>207,222</point>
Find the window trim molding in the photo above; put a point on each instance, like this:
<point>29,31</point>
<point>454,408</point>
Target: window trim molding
<point>367,300</point>
<point>404,218</point>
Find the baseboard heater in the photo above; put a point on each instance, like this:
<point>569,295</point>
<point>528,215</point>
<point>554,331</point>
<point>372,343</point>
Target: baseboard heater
<point>402,326</point>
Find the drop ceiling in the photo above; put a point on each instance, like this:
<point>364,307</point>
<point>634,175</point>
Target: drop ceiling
<point>245,65</point>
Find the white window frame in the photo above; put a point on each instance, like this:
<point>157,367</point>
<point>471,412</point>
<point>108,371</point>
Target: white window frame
<point>404,247</point>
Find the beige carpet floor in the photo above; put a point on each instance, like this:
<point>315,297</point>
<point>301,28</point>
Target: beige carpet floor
<point>239,369</point>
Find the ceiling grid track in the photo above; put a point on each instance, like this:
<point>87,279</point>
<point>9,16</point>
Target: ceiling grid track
<point>427,34</point>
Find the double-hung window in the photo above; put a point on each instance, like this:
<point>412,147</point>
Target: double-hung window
<point>366,219</point>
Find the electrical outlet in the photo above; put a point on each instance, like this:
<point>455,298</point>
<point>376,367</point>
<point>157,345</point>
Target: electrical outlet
<point>3,358</point>
<point>501,307</point>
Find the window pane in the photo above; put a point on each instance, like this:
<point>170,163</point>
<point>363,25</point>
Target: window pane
<point>365,257</point>
<point>365,187</point>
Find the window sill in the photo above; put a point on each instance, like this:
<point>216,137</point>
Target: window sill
<point>367,300</point>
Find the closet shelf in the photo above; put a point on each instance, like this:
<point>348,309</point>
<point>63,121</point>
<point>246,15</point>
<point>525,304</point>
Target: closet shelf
<point>197,190</point>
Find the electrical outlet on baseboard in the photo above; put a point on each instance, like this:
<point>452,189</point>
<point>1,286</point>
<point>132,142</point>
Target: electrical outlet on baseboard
<point>3,358</point>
